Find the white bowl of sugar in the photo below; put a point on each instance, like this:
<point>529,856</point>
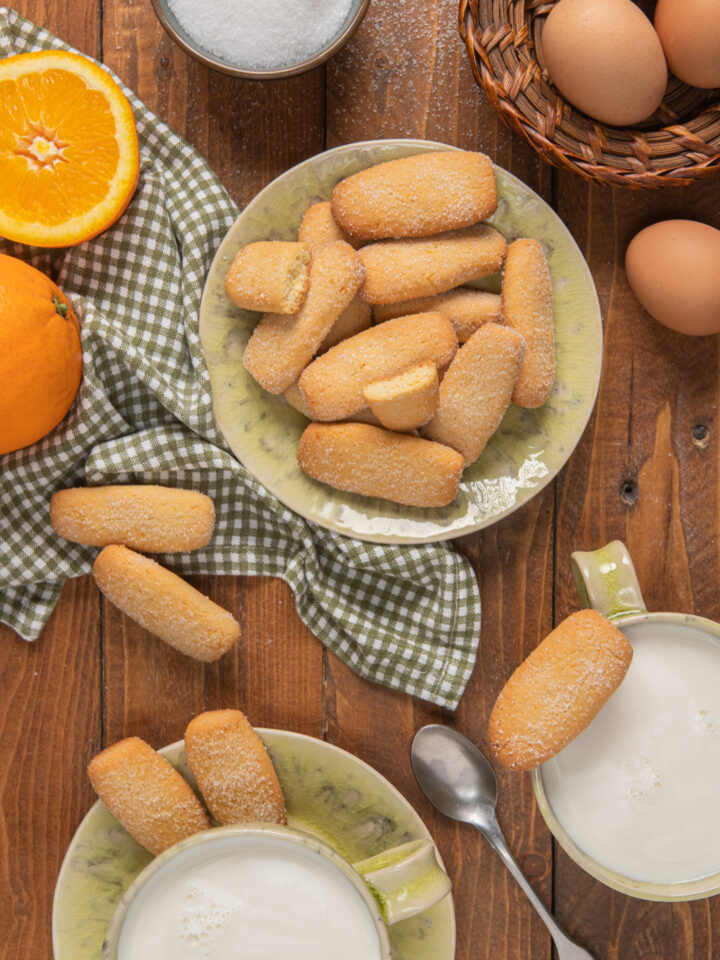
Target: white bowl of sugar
<point>261,39</point>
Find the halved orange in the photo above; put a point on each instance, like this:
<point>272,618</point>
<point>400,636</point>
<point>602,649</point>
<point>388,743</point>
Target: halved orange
<point>69,157</point>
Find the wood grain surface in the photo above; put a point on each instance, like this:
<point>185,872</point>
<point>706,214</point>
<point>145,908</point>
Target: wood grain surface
<point>645,471</point>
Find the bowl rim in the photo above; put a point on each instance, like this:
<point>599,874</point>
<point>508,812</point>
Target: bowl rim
<point>678,892</point>
<point>247,73</point>
<point>280,832</point>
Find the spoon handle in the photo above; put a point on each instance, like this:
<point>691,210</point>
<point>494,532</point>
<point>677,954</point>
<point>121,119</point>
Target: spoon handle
<point>566,948</point>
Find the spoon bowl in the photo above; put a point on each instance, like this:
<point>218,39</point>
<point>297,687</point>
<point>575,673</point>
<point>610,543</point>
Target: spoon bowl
<point>454,775</point>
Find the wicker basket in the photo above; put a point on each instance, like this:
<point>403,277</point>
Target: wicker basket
<point>679,144</point>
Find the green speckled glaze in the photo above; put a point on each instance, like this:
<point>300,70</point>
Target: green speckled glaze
<point>527,451</point>
<point>405,879</point>
<point>329,793</point>
<point>606,580</point>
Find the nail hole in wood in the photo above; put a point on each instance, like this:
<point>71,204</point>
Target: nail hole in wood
<point>700,435</point>
<point>629,491</point>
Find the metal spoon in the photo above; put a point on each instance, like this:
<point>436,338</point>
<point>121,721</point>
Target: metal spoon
<point>458,779</point>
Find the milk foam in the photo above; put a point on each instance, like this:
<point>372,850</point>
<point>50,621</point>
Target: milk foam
<point>639,789</point>
<point>247,898</point>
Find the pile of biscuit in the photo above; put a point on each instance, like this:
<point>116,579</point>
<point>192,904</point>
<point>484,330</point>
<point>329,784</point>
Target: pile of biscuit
<point>369,331</point>
<point>158,807</point>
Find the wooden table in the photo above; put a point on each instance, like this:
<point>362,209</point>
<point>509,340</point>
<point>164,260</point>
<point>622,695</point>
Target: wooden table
<point>645,471</point>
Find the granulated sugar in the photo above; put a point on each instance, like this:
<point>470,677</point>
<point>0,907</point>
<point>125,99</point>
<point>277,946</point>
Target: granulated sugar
<point>262,34</point>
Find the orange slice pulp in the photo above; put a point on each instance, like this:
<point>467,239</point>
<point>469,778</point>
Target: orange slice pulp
<point>69,157</point>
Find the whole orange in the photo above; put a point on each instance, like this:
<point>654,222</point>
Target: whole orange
<point>40,354</point>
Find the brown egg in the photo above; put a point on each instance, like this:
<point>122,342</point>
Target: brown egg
<point>673,268</point>
<point>605,58</point>
<point>689,31</point>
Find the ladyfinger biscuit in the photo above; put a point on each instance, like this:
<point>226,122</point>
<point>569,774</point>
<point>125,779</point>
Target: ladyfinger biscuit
<point>466,309</point>
<point>317,230</point>
<point>422,267</point>
<point>555,693</point>
<point>151,800</point>
<point>377,463</point>
<point>234,773</point>
<point>282,346</point>
<point>270,275</point>
<point>527,306</point>
<point>150,518</point>
<point>476,390</point>
<point>364,416</point>
<point>416,196</point>
<point>354,318</point>
<point>333,384</point>
<point>295,398</point>
<point>318,227</point>
<point>406,401</point>
<point>165,604</point>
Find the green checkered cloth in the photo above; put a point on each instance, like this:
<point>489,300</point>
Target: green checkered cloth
<point>408,617</point>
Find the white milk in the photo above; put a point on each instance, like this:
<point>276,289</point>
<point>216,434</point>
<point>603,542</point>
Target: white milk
<point>248,898</point>
<point>639,790</point>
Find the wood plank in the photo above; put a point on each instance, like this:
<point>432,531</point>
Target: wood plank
<point>514,563</point>
<point>149,690</point>
<point>50,722</point>
<point>277,680</point>
<point>77,23</point>
<point>50,727</point>
<point>646,473</point>
<point>405,74</point>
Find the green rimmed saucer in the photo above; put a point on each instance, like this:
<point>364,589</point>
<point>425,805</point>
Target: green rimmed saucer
<point>328,792</point>
<point>529,448</point>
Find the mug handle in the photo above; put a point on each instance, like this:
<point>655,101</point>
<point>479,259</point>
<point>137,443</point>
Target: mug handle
<point>607,582</point>
<point>405,880</point>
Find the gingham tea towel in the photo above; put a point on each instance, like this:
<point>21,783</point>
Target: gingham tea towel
<point>408,617</point>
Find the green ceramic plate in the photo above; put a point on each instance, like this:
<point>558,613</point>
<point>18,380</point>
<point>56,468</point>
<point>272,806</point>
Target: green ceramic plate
<point>328,792</point>
<point>527,451</point>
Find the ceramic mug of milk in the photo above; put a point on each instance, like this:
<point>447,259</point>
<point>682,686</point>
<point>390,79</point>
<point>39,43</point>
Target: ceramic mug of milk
<point>635,799</point>
<point>280,892</point>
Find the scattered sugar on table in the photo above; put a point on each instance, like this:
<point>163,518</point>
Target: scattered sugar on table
<point>262,34</point>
